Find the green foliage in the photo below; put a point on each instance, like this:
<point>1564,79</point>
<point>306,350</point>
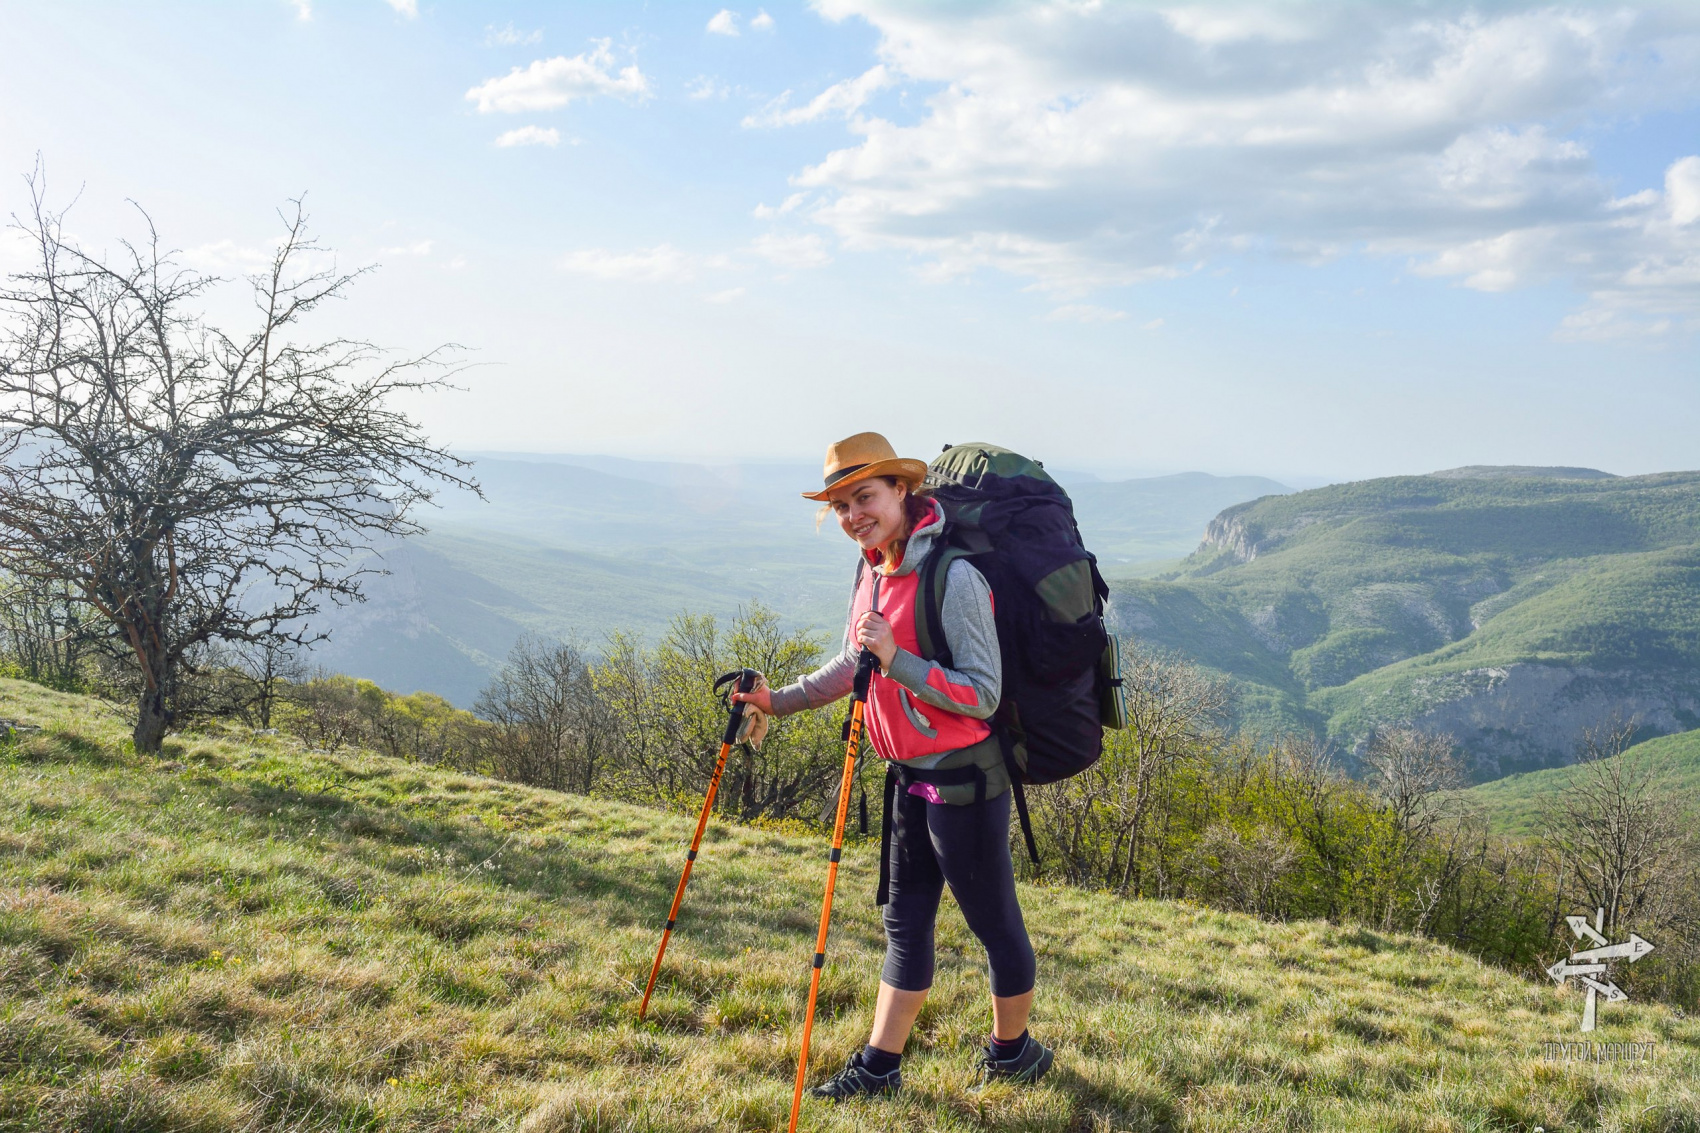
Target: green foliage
<point>333,711</point>
<point>668,724</point>
<point>254,934</point>
<point>1278,831</point>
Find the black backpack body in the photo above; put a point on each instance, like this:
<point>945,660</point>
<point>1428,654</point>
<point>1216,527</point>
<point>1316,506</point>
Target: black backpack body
<point>1008,517</point>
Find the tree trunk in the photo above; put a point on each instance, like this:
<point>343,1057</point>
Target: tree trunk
<point>153,719</point>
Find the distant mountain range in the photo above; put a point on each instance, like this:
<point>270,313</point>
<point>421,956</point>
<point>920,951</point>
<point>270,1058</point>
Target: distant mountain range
<point>1511,607</point>
<point>579,546</point>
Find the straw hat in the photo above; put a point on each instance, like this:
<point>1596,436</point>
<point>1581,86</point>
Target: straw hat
<point>862,457</point>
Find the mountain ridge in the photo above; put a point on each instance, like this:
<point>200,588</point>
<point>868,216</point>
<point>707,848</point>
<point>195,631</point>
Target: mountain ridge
<point>1513,610</point>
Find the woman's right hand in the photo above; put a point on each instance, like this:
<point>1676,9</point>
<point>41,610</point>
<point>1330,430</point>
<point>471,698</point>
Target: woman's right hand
<point>761,697</point>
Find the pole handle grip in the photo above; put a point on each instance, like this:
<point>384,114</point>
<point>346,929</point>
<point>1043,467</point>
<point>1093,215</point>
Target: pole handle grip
<point>746,681</point>
<point>866,663</point>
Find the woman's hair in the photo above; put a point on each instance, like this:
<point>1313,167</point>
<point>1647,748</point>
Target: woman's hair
<point>915,507</point>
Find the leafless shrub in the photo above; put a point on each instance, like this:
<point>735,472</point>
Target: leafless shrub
<point>1098,821</point>
<point>547,726</point>
<point>1627,847</point>
<point>1411,769</point>
<point>45,631</point>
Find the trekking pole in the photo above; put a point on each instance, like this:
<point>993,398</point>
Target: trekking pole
<point>746,679</point>
<point>853,739</point>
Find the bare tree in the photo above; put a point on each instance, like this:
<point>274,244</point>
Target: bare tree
<point>1171,707</point>
<point>190,485</point>
<point>1626,845</point>
<point>1410,768</point>
<point>1098,821</point>
<point>271,663</point>
<point>44,631</point>
<point>547,728</point>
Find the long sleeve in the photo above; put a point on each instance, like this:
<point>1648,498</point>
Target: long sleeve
<point>974,686</point>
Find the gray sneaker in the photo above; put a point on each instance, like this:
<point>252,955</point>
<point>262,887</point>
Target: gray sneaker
<point>855,1080</point>
<point>1025,1068</point>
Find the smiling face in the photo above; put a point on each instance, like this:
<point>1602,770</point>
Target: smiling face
<point>871,511</point>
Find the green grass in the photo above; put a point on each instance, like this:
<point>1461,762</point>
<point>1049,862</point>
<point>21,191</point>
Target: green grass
<point>245,934</point>
<point>1513,804</point>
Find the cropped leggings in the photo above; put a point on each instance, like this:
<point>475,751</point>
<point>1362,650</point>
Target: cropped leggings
<point>967,847</point>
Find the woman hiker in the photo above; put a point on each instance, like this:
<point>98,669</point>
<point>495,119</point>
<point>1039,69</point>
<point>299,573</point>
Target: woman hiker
<point>924,718</point>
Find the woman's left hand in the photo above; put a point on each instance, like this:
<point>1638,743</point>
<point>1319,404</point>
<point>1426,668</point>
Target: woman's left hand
<point>873,633</point>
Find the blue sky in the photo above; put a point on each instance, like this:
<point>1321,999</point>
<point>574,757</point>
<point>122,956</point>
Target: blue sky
<point>1297,239</point>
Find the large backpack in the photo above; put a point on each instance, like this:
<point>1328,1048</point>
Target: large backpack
<point>1061,684</point>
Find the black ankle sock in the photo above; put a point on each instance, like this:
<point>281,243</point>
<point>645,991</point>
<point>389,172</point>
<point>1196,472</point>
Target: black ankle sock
<point>1005,1049</point>
<point>881,1062</point>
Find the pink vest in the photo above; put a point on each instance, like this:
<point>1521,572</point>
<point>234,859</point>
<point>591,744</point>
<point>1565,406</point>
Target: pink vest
<point>901,726</point>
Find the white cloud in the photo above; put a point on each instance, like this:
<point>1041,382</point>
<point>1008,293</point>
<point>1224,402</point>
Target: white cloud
<point>660,264</point>
<point>1596,323</point>
<point>1085,313</point>
<point>1682,190</point>
<point>530,136</point>
<point>1085,144</point>
<point>408,8</point>
<point>418,248</point>
<point>303,9</point>
<point>792,251</point>
<point>229,256</point>
<point>510,36</point>
<point>762,22</point>
<point>551,83</point>
<point>724,22</point>
<point>845,98</point>
<point>729,296</point>
<point>790,204</point>
<point>702,87</point>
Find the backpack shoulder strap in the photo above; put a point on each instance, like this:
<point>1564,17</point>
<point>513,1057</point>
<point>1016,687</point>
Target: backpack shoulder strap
<point>929,609</point>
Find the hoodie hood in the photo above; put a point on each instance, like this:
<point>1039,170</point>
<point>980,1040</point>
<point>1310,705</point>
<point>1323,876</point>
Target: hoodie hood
<point>921,540</point>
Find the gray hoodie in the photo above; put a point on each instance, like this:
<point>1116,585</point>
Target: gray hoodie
<point>968,627</point>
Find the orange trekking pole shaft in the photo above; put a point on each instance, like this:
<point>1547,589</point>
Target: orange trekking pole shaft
<point>746,679</point>
<point>864,673</point>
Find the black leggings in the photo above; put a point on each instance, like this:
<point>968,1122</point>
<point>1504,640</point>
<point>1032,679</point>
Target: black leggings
<point>968,846</point>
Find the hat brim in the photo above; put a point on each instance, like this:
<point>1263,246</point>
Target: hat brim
<point>913,472</point>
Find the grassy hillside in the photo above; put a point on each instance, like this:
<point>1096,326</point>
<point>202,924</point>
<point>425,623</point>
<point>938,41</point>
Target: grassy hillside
<point>250,935</point>
<point>1508,606</point>
<point>564,546</point>
<point>1513,804</point>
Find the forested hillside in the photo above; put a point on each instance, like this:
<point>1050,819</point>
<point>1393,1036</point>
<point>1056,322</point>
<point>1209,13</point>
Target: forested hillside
<point>1509,607</point>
